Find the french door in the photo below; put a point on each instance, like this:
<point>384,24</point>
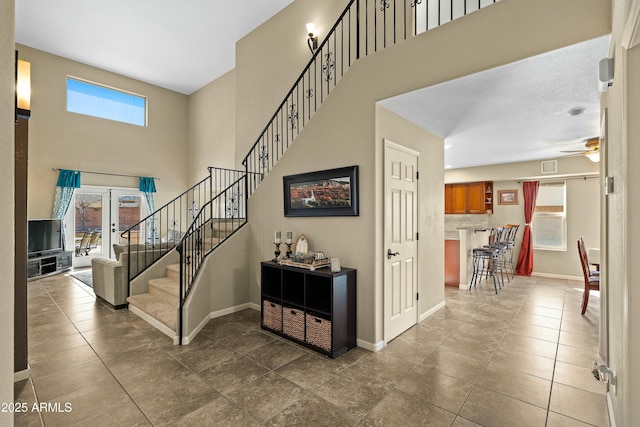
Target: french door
<point>98,216</point>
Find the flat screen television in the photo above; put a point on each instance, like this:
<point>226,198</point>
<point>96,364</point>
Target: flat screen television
<point>44,236</point>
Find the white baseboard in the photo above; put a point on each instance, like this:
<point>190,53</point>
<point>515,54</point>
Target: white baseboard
<point>612,418</point>
<point>21,375</point>
<point>431,312</point>
<point>557,276</point>
<point>218,313</point>
<point>369,345</point>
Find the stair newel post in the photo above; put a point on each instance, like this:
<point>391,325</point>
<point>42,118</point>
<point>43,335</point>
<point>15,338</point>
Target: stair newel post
<point>179,248</point>
<point>128,263</point>
<point>210,191</point>
<point>357,29</point>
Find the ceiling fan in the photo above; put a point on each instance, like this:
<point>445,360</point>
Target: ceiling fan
<point>592,151</point>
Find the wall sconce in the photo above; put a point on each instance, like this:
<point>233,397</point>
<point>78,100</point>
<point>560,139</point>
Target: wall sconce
<point>23,89</point>
<point>312,41</point>
<point>593,156</point>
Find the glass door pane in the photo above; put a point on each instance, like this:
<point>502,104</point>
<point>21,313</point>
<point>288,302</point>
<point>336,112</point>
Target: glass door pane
<point>90,210</point>
<point>127,208</point>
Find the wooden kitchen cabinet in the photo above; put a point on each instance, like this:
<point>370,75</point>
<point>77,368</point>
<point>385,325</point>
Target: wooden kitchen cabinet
<point>469,198</point>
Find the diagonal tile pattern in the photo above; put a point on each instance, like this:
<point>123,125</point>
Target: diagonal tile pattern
<point>522,357</point>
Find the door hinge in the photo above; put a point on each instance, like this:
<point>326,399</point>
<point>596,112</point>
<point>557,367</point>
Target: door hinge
<point>417,175</point>
<point>417,236</point>
<point>417,296</point>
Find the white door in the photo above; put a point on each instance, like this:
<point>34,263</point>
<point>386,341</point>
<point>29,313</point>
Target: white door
<point>400,238</point>
<point>98,216</point>
<point>128,207</point>
<point>87,217</point>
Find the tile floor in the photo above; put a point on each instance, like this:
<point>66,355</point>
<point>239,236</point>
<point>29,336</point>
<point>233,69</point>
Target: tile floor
<point>521,358</point>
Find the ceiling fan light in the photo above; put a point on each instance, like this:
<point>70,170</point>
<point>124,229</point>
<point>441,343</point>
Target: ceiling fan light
<point>594,157</point>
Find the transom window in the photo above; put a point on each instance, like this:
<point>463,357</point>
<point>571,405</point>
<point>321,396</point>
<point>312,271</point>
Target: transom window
<point>550,219</point>
<point>95,100</point>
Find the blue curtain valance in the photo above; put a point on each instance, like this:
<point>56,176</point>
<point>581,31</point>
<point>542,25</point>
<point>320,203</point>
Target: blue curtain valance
<point>147,185</point>
<point>68,178</point>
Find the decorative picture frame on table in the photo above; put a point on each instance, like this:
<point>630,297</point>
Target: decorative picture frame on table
<point>507,197</point>
<point>332,192</point>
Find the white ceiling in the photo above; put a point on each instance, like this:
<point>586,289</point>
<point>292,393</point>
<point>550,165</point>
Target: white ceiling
<point>516,112</point>
<point>513,113</point>
<point>178,45</point>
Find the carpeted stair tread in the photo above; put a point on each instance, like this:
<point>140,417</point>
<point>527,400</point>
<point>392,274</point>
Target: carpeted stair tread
<point>173,272</point>
<point>165,288</point>
<point>155,307</point>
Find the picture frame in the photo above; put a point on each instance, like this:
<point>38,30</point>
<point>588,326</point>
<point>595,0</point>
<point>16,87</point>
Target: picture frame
<point>332,192</point>
<point>507,197</point>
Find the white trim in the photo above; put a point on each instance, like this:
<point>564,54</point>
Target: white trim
<point>396,146</point>
<point>630,34</point>
<point>612,418</point>
<point>218,313</point>
<point>463,286</point>
<point>558,276</point>
<point>431,311</point>
<point>369,345</point>
<point>22,375</point>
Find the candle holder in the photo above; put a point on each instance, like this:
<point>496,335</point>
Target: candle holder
<point>277,251</point>
<point>289,251</point>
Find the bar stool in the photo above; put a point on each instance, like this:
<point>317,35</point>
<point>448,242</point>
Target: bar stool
<point>498,240</point>
<point>485,263</point>
<point>511,244</point>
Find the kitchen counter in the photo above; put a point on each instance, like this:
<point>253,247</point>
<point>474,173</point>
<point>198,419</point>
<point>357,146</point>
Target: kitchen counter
<point>470,237</point>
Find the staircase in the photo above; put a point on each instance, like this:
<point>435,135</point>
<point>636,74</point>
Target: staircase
<point>160,304</point>
<point>215,208</point>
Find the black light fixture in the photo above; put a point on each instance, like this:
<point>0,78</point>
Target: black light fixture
<point>312,41</point>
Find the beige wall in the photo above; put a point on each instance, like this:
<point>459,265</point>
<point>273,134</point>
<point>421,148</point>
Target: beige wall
<point>270,59</point>
<point>212,111</point>
<point>583,215</point>
<point>391,127</point>
<point>7,82</point>
<point>59,139</point>
<point>342,131</point>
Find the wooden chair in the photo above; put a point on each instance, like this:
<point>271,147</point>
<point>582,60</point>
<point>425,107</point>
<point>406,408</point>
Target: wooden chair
<point>591,281</point>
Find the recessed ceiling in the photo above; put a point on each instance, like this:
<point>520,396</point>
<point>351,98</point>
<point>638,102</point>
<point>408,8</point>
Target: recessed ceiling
<point>181,46</point>
<point>528,110</point>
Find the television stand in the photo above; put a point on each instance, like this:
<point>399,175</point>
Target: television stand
<point>47,265</point>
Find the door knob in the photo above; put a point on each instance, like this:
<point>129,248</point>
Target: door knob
<point>390,254</point>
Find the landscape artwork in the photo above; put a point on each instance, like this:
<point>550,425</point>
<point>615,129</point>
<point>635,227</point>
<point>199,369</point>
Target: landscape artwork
<point>323,193</point>
<point>329,193</point>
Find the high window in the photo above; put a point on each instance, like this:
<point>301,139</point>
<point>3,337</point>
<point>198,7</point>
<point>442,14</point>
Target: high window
<point>100,101</point>
<point>550,218</point>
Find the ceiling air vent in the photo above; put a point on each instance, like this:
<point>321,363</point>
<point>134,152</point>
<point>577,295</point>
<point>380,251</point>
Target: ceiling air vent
<point>549,166</point>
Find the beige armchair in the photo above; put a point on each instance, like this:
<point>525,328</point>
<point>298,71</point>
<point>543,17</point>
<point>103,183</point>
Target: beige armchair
<point>110,281</point>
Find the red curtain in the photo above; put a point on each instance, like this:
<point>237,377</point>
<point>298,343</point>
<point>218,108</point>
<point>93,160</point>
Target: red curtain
<point>525,259</point>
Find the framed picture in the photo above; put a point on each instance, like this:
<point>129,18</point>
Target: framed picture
<point>332,192</point>
<point>507,197</point>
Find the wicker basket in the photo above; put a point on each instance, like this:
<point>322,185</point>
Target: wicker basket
<point>318,332</point>
<point>272,315</point>
<point>293,323</point>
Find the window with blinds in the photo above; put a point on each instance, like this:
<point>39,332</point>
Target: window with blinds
<point>549,224</point>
